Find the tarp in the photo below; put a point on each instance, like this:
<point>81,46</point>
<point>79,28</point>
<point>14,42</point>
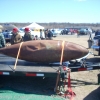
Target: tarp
<point>34,26</point>
<point>13,94</point>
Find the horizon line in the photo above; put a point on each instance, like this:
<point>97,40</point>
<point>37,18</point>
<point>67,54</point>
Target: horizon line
<point>57,22</point>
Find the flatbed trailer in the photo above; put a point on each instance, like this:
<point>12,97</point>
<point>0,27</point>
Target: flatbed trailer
<point>32,69</point>
<point>25,68</point>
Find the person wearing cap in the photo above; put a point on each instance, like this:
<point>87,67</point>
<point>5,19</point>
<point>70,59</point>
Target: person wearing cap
<point>27,35</point>
<point>16,37</point>
<point>2,40</point>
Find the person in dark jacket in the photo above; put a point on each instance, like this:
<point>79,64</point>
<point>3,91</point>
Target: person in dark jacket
<point>50,35</point>
<point>2,40</point>
<point>16,37</point>
<point>27,35</point>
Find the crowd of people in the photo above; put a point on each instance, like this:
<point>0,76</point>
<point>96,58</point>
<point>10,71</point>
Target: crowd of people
<point>17,38</point>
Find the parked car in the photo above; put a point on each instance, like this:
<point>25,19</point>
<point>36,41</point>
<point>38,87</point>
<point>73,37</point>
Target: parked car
<point>64,32</point>
<point>6,34</point>
<point>54,33</point>
<point>85,31</point>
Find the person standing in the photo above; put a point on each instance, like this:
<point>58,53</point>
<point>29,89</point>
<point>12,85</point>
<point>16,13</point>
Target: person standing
<point>2,40</point>
<point>41,34</point>
<point>27,35</point>
<point>90,35</point>
<point>16,37</point>
<point>78,33</point>
<point>50,35</point>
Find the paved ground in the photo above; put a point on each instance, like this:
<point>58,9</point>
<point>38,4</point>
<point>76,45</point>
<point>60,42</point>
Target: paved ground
<point>84,84</point>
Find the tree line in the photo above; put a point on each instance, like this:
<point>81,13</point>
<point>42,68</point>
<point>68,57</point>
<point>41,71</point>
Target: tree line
<point>94,26</point>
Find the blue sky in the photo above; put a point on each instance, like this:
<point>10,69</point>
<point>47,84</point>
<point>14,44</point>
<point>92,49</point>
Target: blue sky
<point>73,11</point>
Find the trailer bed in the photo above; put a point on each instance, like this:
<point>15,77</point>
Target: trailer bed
<point>25,68</point>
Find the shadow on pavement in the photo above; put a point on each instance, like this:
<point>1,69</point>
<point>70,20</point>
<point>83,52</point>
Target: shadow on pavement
<point>94,95</point>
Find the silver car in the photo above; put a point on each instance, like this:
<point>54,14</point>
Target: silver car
<point>54,33</point>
